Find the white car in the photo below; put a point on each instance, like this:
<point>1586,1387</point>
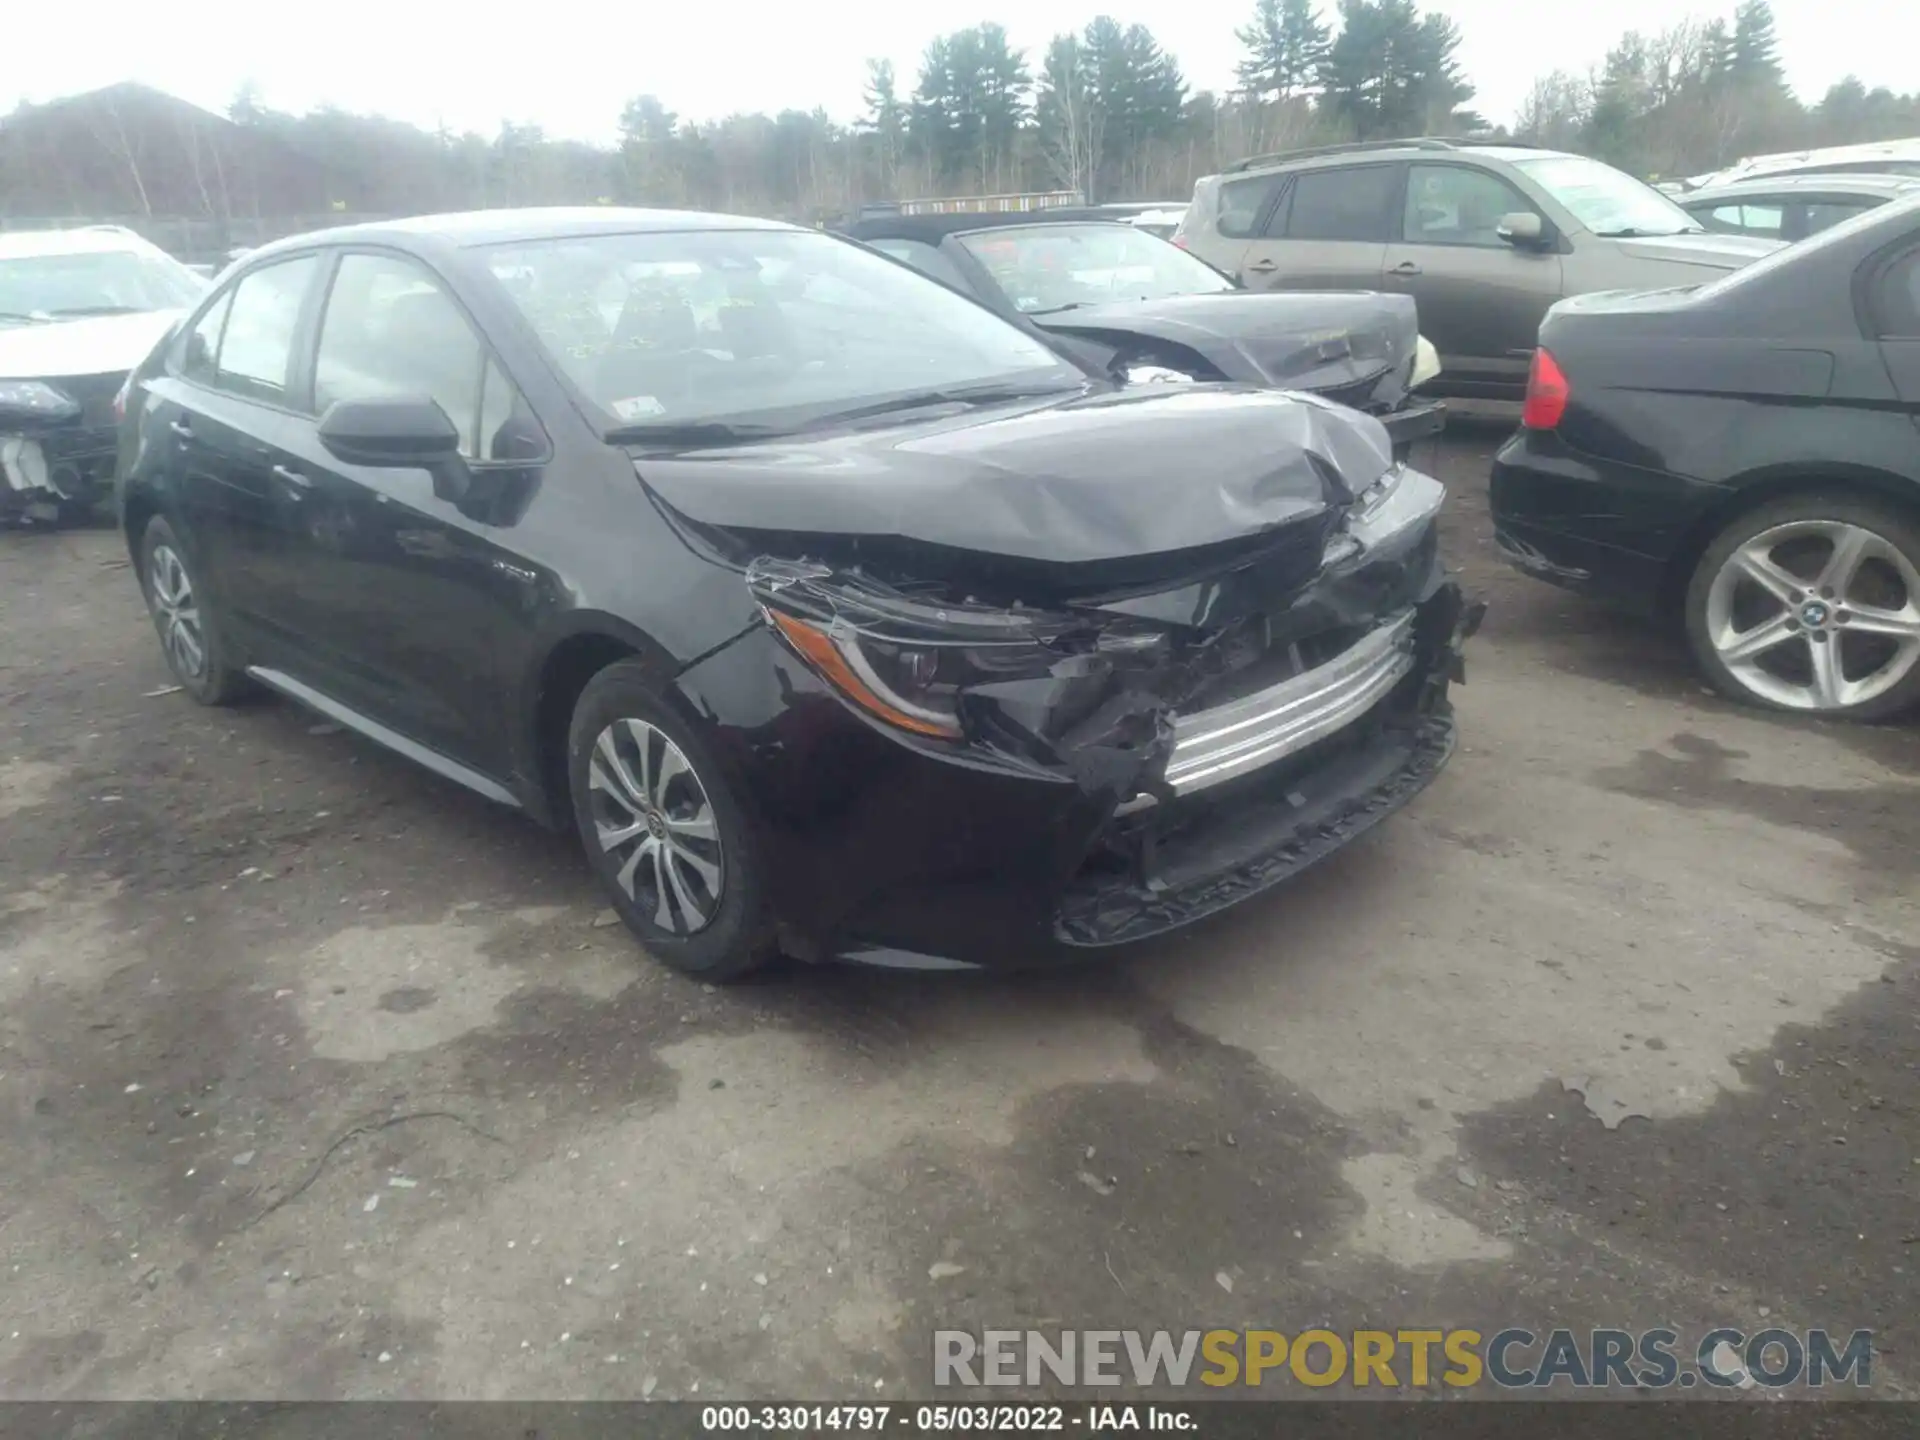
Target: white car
<point>78,310</point>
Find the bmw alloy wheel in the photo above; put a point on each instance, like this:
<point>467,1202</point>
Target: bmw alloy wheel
<point>1816,615</point>
<point>653,820</point>
<point>178,613</point>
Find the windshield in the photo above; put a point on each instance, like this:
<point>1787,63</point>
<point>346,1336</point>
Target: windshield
<point>1047,268</point>
<point>758,327</point>
<point>93,282</point>
<point>1605,200</point>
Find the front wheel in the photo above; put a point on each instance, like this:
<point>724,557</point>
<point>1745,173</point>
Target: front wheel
<point>663,830</point>
<point>1812,604</point>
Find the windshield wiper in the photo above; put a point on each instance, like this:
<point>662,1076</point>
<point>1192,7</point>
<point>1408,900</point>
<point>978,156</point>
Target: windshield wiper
<point>692,434</point>
<point>1631,232</point>
<point>1062,309</point>
<point>962,395</point>
<point>35,319</point>
<point>96,310</point>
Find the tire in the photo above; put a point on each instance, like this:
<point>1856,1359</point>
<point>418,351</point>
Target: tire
<point>1811,604</point>
<point>185,620</point>
<point>686,876</point>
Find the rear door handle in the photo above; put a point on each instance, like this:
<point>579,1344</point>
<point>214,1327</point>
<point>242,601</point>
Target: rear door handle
<point>181,428</point>
<point>1405,267</point>
<point>292,477</point>
<point>1264,267</point>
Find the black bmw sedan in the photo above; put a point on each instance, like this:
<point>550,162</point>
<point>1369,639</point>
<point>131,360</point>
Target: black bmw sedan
<point>1744,458</point>
<point>839,615</point>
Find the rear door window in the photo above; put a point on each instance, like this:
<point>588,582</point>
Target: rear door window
<point>1344,204</point>
<point>256,343</point>
<point>1817,214</point>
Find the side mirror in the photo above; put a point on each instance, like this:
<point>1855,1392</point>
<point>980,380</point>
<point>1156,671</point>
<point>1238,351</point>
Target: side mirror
<point>1521,228</point>
<point>398,433</point>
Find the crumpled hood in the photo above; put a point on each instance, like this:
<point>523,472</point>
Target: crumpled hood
<point>1308,341</point>
<point>1719,252</point>
<point>1104,478</point>
<point>97,345</point>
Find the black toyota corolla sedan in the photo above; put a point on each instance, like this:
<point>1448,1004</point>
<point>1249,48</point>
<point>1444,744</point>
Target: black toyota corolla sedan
<point>1743,457</point>
<point>839,615</point>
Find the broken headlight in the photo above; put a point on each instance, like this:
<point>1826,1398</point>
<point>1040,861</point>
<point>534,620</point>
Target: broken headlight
<point>34,402</point>
<point>909,660</point>
<point>913,685</point>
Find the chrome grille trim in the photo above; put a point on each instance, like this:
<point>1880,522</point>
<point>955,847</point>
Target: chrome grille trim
<point>1212,746</point>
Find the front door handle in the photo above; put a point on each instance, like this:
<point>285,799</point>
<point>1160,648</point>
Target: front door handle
<point>1405,267</point>
<point>292,477</point>
<point>1263,267</point>
<point>181,428</point>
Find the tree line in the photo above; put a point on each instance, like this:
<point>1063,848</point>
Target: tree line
<point>1104,110</point>
<point>1697,95</point>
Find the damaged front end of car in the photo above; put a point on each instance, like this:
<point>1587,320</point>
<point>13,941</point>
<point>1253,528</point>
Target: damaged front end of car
<point>57,447</point>
<point>1033,686</point>
<point>1229,748</point>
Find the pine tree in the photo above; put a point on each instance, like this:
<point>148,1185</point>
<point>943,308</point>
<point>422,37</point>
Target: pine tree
<point>1754,52</point>
<point>1286,44</point>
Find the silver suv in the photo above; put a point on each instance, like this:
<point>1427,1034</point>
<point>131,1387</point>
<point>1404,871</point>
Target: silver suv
<point>1484,237</point>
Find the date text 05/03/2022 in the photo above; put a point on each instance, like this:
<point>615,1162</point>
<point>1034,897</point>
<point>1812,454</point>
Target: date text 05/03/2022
<point>943,1419</point>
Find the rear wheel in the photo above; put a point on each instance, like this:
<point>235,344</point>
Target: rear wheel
<point>663,830</point>
<point>1812,604</point>
<point>189,632</point>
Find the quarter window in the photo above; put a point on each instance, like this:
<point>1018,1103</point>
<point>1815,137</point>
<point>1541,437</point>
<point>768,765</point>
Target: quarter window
<point>1766,221</point>
<point>1348,204</point>
<point>390,331</point>
<point>200,346</point>
<point>1452,205</point>
<point>1241,202</point>
<point>256,343</point>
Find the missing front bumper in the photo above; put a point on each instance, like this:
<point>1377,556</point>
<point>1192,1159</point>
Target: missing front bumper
<point>1313,764</point>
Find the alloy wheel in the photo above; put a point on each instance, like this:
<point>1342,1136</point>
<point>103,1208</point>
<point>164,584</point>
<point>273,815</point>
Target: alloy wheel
<point>1817,615</point>
<point>177,612</point>
<point>653,820</point>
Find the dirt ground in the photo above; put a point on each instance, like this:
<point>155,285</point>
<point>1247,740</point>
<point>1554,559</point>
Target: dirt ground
<point>318,1078</point>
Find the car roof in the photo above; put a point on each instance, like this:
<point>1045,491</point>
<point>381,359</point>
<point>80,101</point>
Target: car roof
<point>81,240</point>
<point>935,228</point>
<point>495,227</point>
<point>1886,186</point>
<point>1507,152</point>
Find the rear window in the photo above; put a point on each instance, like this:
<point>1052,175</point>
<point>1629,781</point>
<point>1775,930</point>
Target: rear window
<point>1348,204</point>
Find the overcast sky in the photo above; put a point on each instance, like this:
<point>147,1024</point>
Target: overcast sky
<point>569,65</point>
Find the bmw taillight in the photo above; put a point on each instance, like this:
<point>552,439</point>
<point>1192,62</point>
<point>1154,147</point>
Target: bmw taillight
<point>1547,393</point>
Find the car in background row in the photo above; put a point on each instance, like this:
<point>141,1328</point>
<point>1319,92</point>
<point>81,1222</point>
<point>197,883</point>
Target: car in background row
<point>1484,237</point>
<point>837,614</point>
<point>1875,157</point>
<point>1743,457</point>
<point>1792,207</point>
<point>1129,305</point>
<point>78,310</point>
